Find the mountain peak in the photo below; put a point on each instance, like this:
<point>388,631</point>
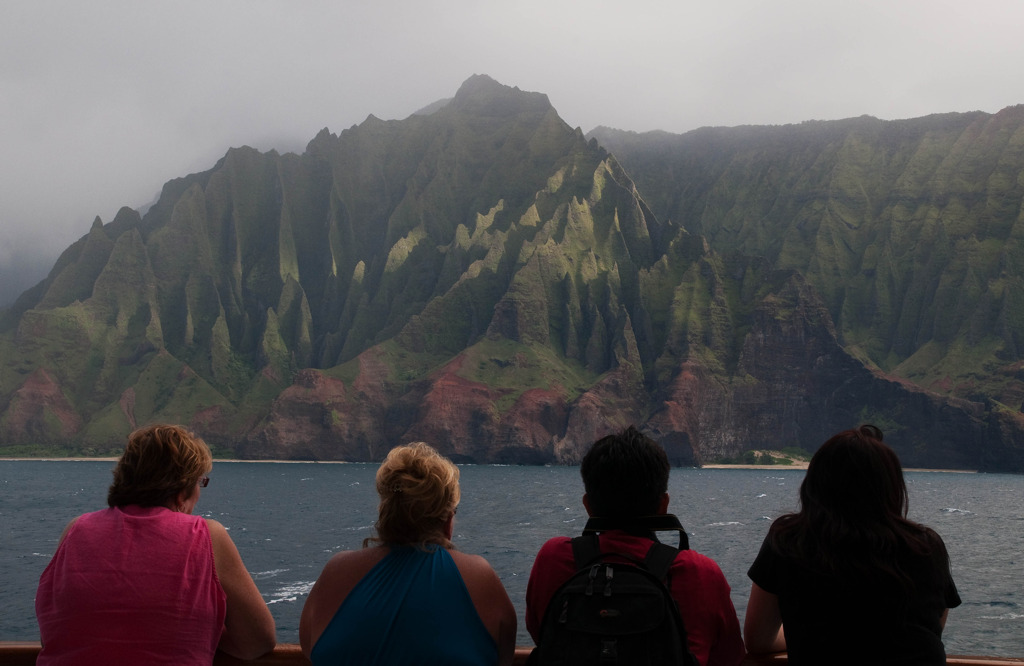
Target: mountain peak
<point>483,95</point>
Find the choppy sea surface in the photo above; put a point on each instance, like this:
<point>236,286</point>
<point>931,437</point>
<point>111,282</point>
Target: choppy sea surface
<point>287,519</point>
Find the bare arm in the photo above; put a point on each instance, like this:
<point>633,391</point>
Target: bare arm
<point>762,626</point>
<point>504,613</point>
<point>249,626</point>
<point>491,602</point>
<point>309,617</point>
<point>316,612</point>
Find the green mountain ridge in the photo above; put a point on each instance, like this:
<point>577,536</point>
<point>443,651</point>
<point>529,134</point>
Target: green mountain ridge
<point>909,229</point>
<point>484,277</point>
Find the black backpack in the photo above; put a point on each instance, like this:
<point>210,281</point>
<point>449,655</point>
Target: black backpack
<point>615,609</point>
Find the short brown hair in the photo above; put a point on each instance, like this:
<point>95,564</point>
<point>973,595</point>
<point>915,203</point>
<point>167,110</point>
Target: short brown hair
<point>419,490</point>
<point>158,463</point>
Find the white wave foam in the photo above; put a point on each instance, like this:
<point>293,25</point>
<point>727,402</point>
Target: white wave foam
<point>290,592</point>
<point>359,528</point>
<point>1005,616</point>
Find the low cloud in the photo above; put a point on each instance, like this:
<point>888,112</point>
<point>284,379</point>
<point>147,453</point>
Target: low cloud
<point>104,102</point>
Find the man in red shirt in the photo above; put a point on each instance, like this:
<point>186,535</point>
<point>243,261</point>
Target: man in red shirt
<point>625,478</point>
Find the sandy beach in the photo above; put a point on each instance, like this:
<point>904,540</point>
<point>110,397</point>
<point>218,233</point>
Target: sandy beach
<point>794,465</point>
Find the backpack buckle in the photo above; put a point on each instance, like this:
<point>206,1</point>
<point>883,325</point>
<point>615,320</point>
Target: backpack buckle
<point>609,651</point>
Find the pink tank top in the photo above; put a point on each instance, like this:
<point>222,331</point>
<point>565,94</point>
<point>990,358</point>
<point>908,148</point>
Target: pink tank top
<point>131,585</point>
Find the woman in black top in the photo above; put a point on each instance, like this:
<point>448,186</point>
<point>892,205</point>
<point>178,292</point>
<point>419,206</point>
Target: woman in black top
<point>849,578</point>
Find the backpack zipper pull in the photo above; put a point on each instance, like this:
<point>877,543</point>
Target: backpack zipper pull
<point>590,581</point>
<point>608,574</point>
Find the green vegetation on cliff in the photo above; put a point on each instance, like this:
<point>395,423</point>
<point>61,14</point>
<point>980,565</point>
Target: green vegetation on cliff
<point>910,230</point>
<point>487,278</point>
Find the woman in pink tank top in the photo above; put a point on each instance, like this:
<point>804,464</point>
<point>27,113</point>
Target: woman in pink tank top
<point>145,581</point>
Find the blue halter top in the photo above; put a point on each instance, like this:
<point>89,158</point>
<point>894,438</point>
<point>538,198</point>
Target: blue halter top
<point>411,608</point>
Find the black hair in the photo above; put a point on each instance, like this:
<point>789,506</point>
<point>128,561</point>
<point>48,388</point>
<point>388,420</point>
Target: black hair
<point>853,511</point>
<point>625,475</point>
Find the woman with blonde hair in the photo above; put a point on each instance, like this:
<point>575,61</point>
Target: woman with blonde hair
<point>408,596</point>
<point>145,581</point>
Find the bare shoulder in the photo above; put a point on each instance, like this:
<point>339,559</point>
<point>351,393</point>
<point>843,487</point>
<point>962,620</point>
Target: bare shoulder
<point>339,576</point>
<point>363,556</point>
<point>219,536</point>
<point>475,562</point>
<point>474,567</point>
<point>349,566</point>
<point>490,600</point>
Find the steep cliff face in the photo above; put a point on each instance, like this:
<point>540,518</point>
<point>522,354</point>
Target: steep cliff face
<point>482,278</point>
<point>794,383</point>
<point>910,230</point>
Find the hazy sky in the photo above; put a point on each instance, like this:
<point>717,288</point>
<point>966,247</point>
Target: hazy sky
<point>101,102</point>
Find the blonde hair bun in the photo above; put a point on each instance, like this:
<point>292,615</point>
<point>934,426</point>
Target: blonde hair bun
<point>419,490</point>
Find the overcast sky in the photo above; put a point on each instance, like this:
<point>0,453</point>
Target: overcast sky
<point>101,102</point>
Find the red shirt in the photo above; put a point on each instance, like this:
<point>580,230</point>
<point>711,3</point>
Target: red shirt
<point>131,585</point>
<point>697,584</point>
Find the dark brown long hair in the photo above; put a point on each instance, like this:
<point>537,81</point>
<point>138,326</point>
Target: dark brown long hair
<point>853,511</point>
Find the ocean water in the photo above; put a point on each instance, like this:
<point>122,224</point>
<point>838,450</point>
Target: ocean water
<point>287,519</point>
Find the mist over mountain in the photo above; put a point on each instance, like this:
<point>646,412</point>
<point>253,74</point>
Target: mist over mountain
<point>484,277</point>
<point>20,273</point>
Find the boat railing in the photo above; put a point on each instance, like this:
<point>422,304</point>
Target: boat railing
<point>23,653</point>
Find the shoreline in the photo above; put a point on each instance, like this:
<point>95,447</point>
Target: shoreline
<point>799,465</point>
<point>215,460</point>
<point>795,465</point>
<point>803,466</point>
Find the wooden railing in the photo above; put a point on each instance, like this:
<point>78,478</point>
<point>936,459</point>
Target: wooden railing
<point>23,653</point>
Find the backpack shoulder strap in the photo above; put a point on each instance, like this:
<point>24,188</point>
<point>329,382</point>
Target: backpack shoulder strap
<point>585,550</point>
<point>660,558</point>
<point>640,526</point>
